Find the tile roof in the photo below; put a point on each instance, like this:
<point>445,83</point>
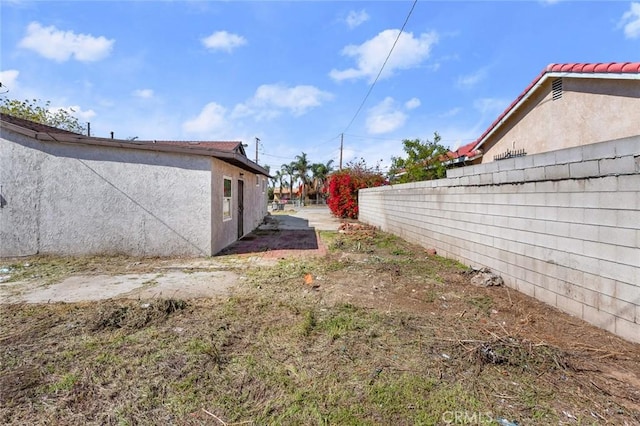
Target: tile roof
<point>464,151</point>
<point>569,69</point>
<point>610,67</point>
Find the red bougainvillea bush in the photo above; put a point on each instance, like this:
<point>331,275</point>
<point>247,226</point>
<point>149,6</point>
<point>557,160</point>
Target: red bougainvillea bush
<point>343,188</point>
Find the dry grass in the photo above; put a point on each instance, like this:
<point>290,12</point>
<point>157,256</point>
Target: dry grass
<point>281,351</point>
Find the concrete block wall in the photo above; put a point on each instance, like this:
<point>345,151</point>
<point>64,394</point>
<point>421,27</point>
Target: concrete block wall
<point>562,226</point>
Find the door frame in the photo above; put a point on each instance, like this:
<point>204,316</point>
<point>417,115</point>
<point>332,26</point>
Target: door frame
<point>240,208</point>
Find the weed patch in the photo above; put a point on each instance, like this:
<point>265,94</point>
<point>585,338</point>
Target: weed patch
<point>388,335</point>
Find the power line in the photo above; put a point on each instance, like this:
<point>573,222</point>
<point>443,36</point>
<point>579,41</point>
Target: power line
<point>315,145</point>
<point>396,139</point>
<point>364,100</point>
<point>382,67</point>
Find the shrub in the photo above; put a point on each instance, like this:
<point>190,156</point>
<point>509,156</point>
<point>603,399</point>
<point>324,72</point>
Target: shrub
<point>343,187</point>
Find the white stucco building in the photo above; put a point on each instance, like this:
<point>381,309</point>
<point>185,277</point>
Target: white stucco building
<point>65,193</point>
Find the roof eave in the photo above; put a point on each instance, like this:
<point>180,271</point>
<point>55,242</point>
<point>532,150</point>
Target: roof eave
<point>233,158</point>
<point>539,81</point>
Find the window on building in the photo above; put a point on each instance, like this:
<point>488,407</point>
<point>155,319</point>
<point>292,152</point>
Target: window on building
<point>264,185</point>
<point>257,180</point>
<point>226,199</point>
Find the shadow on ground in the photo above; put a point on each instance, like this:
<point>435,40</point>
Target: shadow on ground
<point>283,232</point>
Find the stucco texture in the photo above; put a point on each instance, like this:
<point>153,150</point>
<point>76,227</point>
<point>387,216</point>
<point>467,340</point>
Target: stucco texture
<point>589,111</point>
<point>225,232</point>
<point>77,199</point>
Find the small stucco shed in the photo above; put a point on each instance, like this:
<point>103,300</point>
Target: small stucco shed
<point>66,193</point>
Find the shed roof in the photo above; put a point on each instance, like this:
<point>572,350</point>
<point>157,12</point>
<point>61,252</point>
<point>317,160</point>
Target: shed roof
<point>622,70</point>
<point>231,152</point>
<point>32,125</point>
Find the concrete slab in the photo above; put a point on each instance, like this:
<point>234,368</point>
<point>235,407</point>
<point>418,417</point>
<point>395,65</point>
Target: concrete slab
<point>173,283</point>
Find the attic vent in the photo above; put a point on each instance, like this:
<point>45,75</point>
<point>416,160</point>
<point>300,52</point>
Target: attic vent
<point>556,89</point>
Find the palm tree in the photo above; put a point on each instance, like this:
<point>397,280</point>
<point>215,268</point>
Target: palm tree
<point>277,178</point>
<point>289,170</point>
<point>302,168</point>
<point>320,172</point>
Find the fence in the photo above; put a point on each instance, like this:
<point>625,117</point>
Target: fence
<point>562,226</point>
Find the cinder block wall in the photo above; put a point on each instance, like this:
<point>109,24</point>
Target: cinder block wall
<point>562,226</point>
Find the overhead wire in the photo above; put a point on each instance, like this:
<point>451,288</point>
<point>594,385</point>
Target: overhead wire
<point>373,84</point>
<point>320,144</point>
<point>381,68</point>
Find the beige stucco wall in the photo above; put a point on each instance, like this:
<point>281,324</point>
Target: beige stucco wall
<point>225,232</point>
<point>589,111</point>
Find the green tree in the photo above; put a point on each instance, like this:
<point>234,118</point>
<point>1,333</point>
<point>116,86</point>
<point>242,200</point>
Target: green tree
<point>319,174</point>
<point>424,161</point>
<point>302,169</point>
<point>289,171</point>
<point>277,179</point>
<point>33,110</point>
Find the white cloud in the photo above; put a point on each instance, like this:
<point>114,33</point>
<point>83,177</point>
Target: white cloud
<point>385,117</point>
<point>412,103</point>
<point>492,106</point>
<point>270,99</point>
<point>470,80</point>
<point>222,40</point>
<point>356,18</point>
<point>62,45</point>
<point>631,21</point>
<point>9,80</point>
<point>212,119</point>
<point>451,113</point>
<point>143,93</point>
<point>409,52</point>
<point>76,111</point>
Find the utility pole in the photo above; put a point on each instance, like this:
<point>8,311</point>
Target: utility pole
<point>341,141</point>
<point>257,142</point>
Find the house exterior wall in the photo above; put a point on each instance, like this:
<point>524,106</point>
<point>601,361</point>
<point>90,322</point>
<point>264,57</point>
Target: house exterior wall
<point>76,199</point>
<point>562,226</point>
<point>589,111</point>
<point>225,232</point>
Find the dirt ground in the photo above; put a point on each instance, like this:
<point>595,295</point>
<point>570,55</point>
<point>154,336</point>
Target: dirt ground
<point>289,233</point>
<point>594,376</point>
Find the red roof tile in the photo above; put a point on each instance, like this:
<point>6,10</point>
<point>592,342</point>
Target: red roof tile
<point>571,68</point>
<point>464,151</point>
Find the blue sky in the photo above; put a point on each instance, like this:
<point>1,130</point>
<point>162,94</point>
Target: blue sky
<point>294,73</point>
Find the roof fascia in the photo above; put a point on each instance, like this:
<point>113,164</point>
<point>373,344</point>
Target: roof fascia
<point>598,75</point>
<point>230,157</point>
